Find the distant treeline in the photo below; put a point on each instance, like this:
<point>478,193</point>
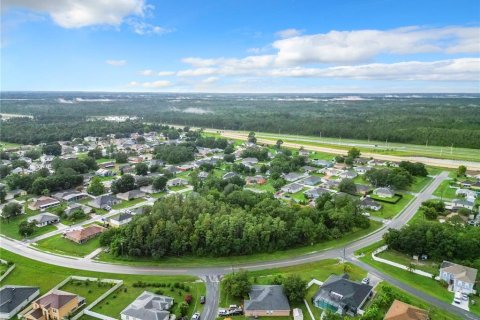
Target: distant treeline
<point>432,121</point>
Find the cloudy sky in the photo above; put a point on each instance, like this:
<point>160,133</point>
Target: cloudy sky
<point>241,45</point>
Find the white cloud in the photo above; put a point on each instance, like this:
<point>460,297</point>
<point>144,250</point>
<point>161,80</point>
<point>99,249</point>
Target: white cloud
<point>166,73</point>
<point>143,28</point>
<point>210,80</point>
<point>363,45</point>
<point>147,73</point>
<point>82,13</point>
<point>116,63</point>
<point>288,33</point>
<point>151,85</point>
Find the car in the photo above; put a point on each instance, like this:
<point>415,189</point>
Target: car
<point>108,208</point>
<point>464,297</point>
<point>457,301</point>
<point>196,316</point>
<point>233,306</point>
<point>222,312</point>
<point>366,281</point>
<point>202,300</point>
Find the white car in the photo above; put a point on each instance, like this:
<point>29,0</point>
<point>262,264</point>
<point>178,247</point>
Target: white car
<point>196,316</point>
<point>366,281</point>
<point>222,312</point>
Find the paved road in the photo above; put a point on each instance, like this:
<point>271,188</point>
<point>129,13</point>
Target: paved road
<point>446,163</point>
<point>211,274</point>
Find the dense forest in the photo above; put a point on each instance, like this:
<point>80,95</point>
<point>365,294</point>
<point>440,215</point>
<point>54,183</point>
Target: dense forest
<point>221,219</point>
<point>436,120</point>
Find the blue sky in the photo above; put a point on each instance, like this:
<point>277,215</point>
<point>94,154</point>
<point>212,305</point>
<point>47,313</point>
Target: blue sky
<point>241,46</point>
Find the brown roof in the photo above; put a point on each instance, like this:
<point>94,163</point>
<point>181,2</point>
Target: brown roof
<point>403,311</point>
<point>56,299</point>
<point>45,200</point>
<point>84,233</point>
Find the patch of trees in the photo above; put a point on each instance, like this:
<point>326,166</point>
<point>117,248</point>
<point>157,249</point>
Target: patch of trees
<point>347,186</point>
<point>283,163</point>
<point>52,149</point>
<point>414,168</point>
<point>211,142</point>
<point>439,241</point>
<point>82,165</point>
<point>123,184</point>
<point>397,178</point>
<point>175,154</point>
<point>231,221</point>
<point>11,210</point>
<point>96,187</point>
<point>431,209</point>
<point>255,152</point>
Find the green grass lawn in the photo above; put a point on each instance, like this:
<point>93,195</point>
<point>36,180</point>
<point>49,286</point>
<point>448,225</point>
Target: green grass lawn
<point>103,160</point>
<point>395,256</point>
<point>390,210</point>
<point>177,188</point>
<point>158,194</point>
<point>419,183</point>
<point>8,145</point>
<point>299,196</point>
<point>127,204</point>
<point>424,284</point>
<point>321,156</point>
<point>59,244</point>
<point>391,200</point>
<point>90,290</point>
<point>210,261</point>
<point>444,191</point>
<point>267,187</point>
<point>46,276</point>
<point>10,228</point>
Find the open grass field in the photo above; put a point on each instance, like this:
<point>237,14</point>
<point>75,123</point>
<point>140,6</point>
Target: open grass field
<point>204,261</point>
<point>90,290</point>
<point>8,145</point>
<point>46,276</point>
<point>60,245</point>
<point>177,188</point>
<point>419,183</point>
<point>395,256</point>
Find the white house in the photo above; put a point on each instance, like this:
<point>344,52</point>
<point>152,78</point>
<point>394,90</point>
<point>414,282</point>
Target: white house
<point>458,277</point>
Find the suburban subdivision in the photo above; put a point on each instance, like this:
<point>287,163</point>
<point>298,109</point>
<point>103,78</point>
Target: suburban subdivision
<point>186,223</point>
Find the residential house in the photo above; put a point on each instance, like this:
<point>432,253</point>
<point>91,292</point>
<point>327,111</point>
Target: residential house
<point>44,219</point>
<point>362,189</point>
<point>384,192</point>
<point>322,163</point>
<point>203,175</point>
<point>74,207</point>
<point>177,182</point>
<point>293,176</point>
<point>120,219</point>
<point>341,295</point>
<point>473,174</point>
<point>70,196</point>
<point>15,194</point>
<point>255,180</point>
<point>316,193</point>
<point>309,169</point>
<point>470,195</point>
<point>458,277</point>
<point>330,184</point>
<point>267,300</point>
<point>55,305</point>
<point>463,203</point>
<point>370,204</point>
<point>292,188</point>
<point>348,175</point>
<point>148,306</point>
<point>104,173</point>
<point>149,189</point>
<point>185,167</point>
<point>375,162</point>
<point>84,234</point>
<point>104,201</point>
<point>403,311</point>
<point>249,161</point>
<point>311,180</point>
<point>340,166</point>
<point>15,298</point>
<point>107,165</point>
<point>43,203</point>
<point>130,195</point>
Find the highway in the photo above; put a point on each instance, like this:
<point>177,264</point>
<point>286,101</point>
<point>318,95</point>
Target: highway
<point>212,275</point>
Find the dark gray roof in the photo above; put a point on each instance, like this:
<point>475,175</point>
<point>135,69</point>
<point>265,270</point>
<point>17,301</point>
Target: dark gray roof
<point>44,218</point>
<point>104,200</point>
<point>266,297</point>
<point>121,216</point>
<point>311,180</point>
<point>13,296</point>
<point>344,292</point>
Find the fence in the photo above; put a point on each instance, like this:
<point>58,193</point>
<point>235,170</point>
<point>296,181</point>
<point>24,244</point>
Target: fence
<point>398,265</point>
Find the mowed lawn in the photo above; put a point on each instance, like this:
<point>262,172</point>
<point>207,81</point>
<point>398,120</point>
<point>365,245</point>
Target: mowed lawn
<point>128,204</point>
<point>419,183</point>
<point>10,227</point>
<point>90,290</point>
<point>59,244</point>
<point>390,210</point>
<point>46,276</point>
<point>444,191</point>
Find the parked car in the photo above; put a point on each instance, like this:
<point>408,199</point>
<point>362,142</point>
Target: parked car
<point>222,312</point>
<point>464,297</point>
<point>202,299</point>
<point>458,297</point>
<point>233,306</point>
<point>196,316</point>
<point>366,281</point>
<point>108,208</point>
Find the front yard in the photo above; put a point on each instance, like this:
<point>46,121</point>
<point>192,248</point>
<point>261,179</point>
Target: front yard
<point>10,228</point>
<point>60,245</point>
<point>390,210</point>
<point>127,204</point>
<point>444,191</point>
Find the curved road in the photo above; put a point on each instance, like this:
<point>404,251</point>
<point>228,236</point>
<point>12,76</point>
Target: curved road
<point>211,275</point>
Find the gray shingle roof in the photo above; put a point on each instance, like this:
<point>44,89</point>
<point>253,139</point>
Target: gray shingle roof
<point>149,306</point>
<point>13,296</point>
<point>265,297</point>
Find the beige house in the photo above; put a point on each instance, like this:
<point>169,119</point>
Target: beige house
<point>403,311</point>
<point>55,305</point>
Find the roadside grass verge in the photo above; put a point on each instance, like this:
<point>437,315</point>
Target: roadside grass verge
<point>127,204</point>
<point>59,244</point>
<point>389,210</point>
